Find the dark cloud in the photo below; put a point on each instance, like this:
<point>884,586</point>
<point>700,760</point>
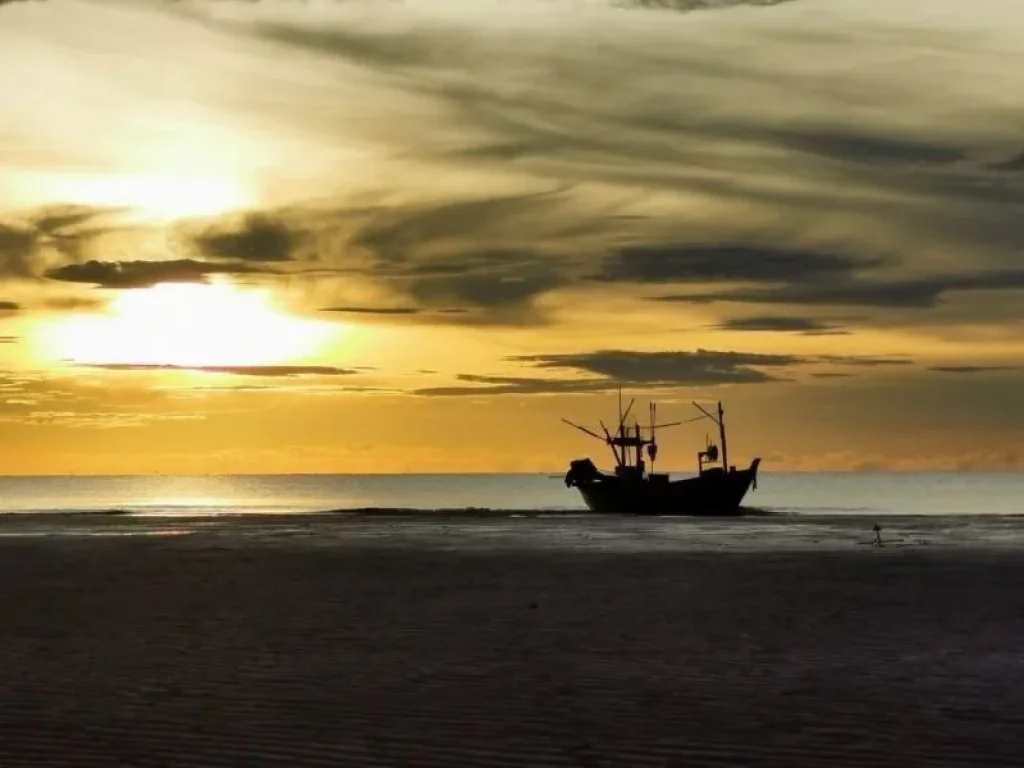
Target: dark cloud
<point>237,370</point>
<point>969,369</point>
<point>377,50</point>
<point>63,220</point>
<point>668,368</point>
<point>695,263</point>
<point>863,147</point>
<point>257,238</point>
<point>515,385</point>
<point>913,292</point>
<point>70,303</point>
<point>374,310</point>
<point>1012,164</point>
<point>144,274</point>
<point>791,277</point>
<point>474,261</point>
<point>8,339</point>
<point>808,326</point>
<point>865,361</point>
<point>400,234</point>
<point>501,286</point>
<point>608,369</point>
<point>693,5</point>
<point>17,249</point>
<point>9,306</point>
<point>234,388</point>
<point>62,231</point>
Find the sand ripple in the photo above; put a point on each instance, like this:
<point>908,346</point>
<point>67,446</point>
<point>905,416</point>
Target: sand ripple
<point>194,652</point>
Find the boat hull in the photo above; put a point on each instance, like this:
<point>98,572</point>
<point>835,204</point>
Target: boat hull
<point>709,494</point>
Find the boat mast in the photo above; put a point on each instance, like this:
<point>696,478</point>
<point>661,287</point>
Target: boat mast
<point>652,445</point>
<point>721,432</point>
<point>625,437</point>
<point>621,434</point>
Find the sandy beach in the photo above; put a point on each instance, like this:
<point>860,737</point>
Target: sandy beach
<point>314,648</point>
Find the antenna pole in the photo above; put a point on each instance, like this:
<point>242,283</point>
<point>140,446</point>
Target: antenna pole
<point>652,449</point>
<point>611,443</point>
<point>721,433</point>
<point>618,432</point>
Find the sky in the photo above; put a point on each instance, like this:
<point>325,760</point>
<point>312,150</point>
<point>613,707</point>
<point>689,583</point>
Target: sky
<point>413,235</point>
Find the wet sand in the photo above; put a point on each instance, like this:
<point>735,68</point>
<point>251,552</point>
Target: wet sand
<point>223,650</point>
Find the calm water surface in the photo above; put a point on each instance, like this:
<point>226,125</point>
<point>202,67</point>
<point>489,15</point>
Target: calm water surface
<point>949,493</point>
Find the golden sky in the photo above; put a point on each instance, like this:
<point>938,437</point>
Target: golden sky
<point>410,235</point>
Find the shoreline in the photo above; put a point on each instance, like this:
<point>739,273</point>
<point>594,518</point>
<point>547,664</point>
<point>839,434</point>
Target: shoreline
<point>530,531</point>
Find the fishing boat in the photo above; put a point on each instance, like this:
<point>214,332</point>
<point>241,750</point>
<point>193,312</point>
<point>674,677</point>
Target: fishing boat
<point>717,489</point>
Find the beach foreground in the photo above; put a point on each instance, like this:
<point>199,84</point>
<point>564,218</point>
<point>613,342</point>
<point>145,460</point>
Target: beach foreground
<point>213,648</point>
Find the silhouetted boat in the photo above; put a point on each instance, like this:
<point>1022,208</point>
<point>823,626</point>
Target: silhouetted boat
<point>717,489</point>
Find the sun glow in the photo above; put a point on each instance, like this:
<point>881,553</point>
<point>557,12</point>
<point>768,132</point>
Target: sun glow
<point>191,325</point>
<point>157,196</point>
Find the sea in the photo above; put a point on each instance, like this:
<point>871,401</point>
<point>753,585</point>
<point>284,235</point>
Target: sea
<point>802,493</point>
<point>472,510</point>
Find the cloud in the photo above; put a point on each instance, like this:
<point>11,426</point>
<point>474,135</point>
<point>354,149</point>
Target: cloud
<point>49,235</point>
<point>17,247</point>
<point>791,277</point>
<point>1011,165</point>
<point>808,326</point>
<point>910,292</point>
<point>608,369</point>
<point>863,147</point>
<point>257,238</point>
<point>972,369</point>
<point>69,303</point>
<point>486,260</point>
<point>236,370</point>
<point>143,274</point>
<point>8,339</point>
<point>669,368</point>
<point>374,310</point>
<point>97,419</point>
<point>9,306</point>
<point>515,385</point>
<point>501,287</point>
<point>696,263</point>
<point>41,397</point>
<point>398,234</point>
<point>613,368</point>
<point>867,361</point>
<point>694,5</point>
